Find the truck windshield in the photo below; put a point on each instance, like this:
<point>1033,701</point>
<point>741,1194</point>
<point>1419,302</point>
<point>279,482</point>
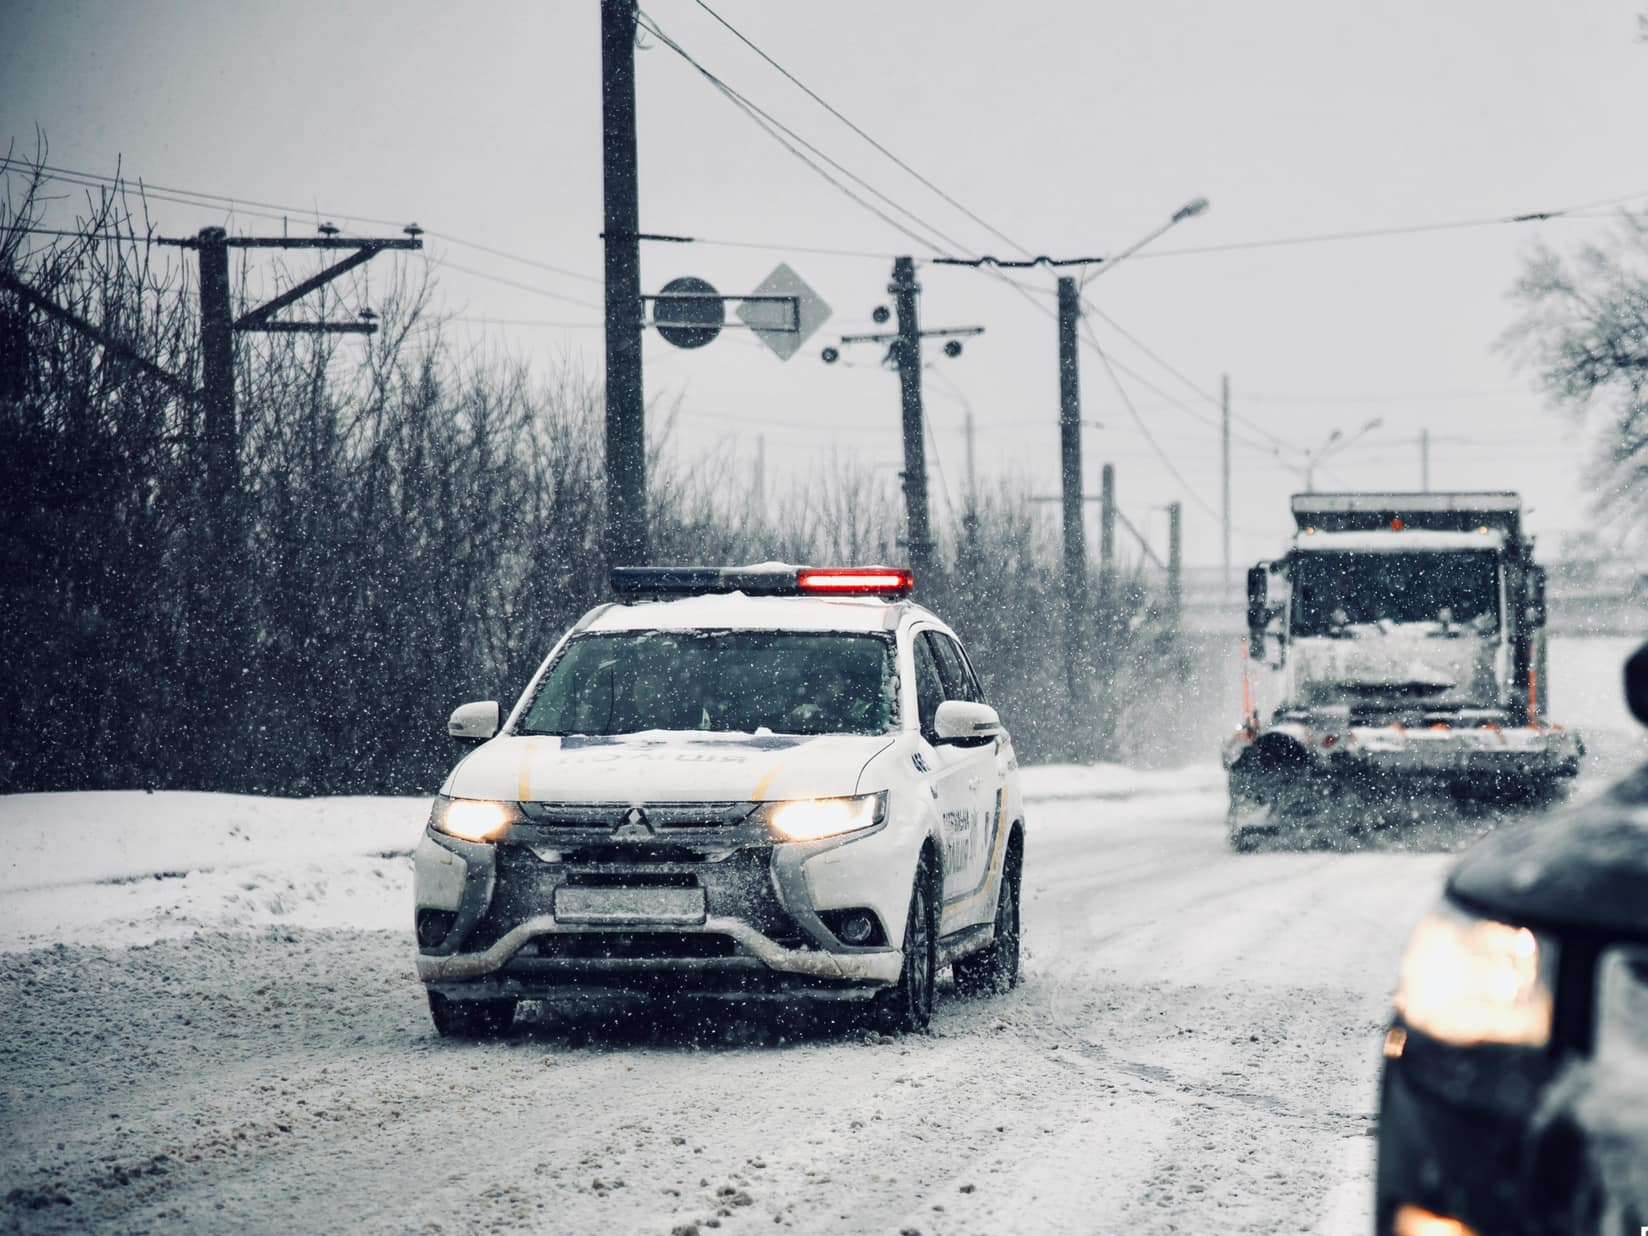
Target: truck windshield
<point>1335,589</point>
<point>719,681</point>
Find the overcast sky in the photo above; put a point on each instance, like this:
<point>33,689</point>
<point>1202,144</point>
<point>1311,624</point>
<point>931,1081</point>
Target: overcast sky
<point>1073,128</point>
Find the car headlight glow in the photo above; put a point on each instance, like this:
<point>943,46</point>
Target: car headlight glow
<point>1469,981</point>
<point>474,819</point>
<point>810,819</point>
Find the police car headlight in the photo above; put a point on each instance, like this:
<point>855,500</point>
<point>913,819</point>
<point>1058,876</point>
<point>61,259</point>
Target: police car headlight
<point>1469,981</point>
<point>473,819</point>
<point>809,819</point>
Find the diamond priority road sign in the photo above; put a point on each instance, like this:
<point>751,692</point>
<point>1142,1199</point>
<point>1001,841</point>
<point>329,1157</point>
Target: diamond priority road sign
<point>784,324</point>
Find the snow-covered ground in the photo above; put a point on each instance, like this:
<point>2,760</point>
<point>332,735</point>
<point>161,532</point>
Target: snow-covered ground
<point>211,1023</point>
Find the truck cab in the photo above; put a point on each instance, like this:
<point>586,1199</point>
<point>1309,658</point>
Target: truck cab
<point>1404,635</point>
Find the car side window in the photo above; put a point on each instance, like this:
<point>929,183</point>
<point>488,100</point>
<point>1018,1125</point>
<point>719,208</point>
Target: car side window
<point>929,685</point>
<point>959,681</point>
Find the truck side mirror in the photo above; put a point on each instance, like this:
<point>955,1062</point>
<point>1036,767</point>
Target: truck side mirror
<point>1258,612</point>
<point>1636,684</point>
<point>1536,596</point>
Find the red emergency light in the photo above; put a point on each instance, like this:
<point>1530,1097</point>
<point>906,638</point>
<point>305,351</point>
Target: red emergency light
<point>856,581</point>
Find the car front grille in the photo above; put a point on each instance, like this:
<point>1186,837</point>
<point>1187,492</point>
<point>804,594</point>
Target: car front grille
<point>642,818</point>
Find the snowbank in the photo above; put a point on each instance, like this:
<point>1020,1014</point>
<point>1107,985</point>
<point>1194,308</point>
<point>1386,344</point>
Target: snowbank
<point>122,868</point>
<point>127,867</point>
<point>1061,782</point>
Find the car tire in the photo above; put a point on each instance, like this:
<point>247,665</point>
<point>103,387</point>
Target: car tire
<point>470,1019</point>
<point>907,1006</point>
<point>994,971</point>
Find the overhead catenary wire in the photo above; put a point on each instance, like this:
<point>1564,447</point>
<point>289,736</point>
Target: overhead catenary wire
<point>812,94</point>
<point>791,140</point>
<point>275,212</point>
<point>1127,401</point>
<point>1278,442</point>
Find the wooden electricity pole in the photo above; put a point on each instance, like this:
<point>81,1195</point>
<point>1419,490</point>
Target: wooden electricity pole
<point>907,354</point>
<point>626,442</point>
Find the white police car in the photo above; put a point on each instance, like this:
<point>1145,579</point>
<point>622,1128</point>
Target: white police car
<point>768,781</point>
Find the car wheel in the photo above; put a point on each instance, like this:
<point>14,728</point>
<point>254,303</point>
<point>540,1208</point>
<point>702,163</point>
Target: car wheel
<point>907,1006</point>
<point>470,1019</point>
<point>995,970</point>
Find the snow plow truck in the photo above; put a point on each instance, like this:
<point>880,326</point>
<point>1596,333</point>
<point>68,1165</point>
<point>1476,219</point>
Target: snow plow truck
<point>1399,649</point>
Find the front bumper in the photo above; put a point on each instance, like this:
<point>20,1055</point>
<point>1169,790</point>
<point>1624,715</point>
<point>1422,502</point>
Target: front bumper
<point>1454,753</point>
<point>759,933</point>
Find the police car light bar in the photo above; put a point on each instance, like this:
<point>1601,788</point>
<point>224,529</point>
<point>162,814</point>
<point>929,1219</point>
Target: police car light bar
<point>774,581</point>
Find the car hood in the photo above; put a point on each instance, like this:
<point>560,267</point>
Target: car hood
<point>1585,868</point>
<point>664,766</point>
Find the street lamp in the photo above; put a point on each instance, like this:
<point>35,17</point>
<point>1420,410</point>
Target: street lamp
<point>1189,210</point>
<point>1335,442</point>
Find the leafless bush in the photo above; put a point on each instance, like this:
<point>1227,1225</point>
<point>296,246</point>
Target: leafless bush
<point>416,528</point>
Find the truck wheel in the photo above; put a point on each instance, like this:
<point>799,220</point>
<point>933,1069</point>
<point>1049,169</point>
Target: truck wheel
<point>907,1006</point>
<point>470,1019</point>
<point>995,970</point>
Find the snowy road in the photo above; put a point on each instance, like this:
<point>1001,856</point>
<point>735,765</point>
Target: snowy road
<point>244,1048</point>
<point>1194,1049</point>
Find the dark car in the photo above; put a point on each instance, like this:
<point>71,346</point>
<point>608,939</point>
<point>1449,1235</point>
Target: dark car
<point>1515,1089</point>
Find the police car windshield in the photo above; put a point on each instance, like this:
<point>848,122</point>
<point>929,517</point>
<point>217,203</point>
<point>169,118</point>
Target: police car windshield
<point>718,681</point>
<point>1333,590</point>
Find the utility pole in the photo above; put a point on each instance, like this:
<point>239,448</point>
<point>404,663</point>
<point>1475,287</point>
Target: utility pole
<point>907,354</point>
<point>1425,461</point>
<point>1075,547</point>
<point>217,375</point>
<point>1107,530</point>
<point>761,472</point>
<point>1224,475</point>
<point>1175,562</point>
<point>626,444</point>
<point>972,477</point>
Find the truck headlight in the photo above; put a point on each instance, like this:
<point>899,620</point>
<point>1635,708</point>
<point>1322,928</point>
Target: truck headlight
<point>810,819</point>
<point>473,819</point>
<point>1469,981</point>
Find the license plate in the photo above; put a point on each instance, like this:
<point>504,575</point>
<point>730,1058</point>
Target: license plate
<point>629,905</point>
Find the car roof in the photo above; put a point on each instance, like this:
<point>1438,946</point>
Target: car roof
<point>739,612</point>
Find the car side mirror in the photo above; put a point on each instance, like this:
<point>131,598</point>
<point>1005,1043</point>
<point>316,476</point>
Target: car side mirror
<point>474,723</point>
<point>964,722</point>
<point>1636,684</point>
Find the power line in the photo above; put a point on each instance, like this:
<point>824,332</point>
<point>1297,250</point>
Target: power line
<point>264,210</point>
<point>514,283</point>
<point>1412,229</point>
<point>1127,400</point>
<point>524,322</point>
<point>1212,399</point>
<point>994,231</point>
<point>774,127</point>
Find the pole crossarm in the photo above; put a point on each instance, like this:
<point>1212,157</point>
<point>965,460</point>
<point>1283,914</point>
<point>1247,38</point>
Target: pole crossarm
<point>365,251</point>
<point>1126,523</point>
<point>1139,537</point>
<point>102,337</point>
<point>296,242</point>
<point>894,336</point>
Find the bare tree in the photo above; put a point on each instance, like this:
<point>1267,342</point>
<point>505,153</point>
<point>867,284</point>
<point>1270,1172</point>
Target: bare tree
<point>1584,325</point>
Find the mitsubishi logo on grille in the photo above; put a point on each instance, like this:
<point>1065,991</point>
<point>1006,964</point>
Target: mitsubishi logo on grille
<point>633,824</point>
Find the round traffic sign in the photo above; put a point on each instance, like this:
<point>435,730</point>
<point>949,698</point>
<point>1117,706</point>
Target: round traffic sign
<point>688,312</point>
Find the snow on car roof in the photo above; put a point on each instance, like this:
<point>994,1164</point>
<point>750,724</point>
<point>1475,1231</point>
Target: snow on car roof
<point>735,610</point>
